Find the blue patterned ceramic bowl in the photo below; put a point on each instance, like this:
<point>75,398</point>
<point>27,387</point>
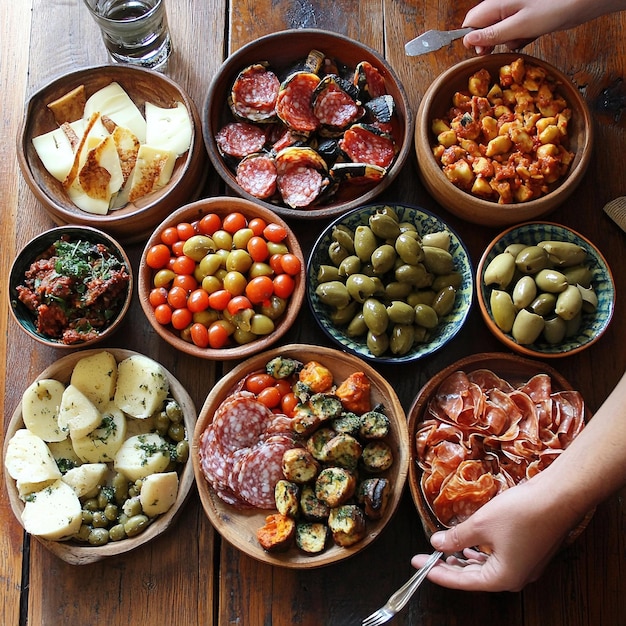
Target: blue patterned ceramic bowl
<point>592,323</point>
<point>449,324</point>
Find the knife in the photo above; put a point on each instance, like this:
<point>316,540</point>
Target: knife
<point>432,40</point>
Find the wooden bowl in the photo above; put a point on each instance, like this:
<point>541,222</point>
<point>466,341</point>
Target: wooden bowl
<point>221,206</point>
<point>284,50</point>
<point>593,324</point>
<point>239,526</point>
<point>31,251</point>
<point>134,221</point>
<point>436,102</point>
<point>514,369</point>
<point>78,553</point>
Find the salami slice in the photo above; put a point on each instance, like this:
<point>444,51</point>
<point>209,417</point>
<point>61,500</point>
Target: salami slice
<point>365,144</point>
<point>256,174</point>
<point>300,186</point>
<point>254,93</point>
<point>334,107</point>
<point>239,139</point>
<point>294,105</point>
<point>369,80</point>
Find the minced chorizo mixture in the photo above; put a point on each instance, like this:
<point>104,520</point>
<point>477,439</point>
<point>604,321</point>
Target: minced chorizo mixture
<point>76,290</point>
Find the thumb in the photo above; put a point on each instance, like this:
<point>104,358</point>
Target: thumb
<point>453,540</point>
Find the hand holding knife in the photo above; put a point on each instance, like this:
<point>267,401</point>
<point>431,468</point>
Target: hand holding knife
<point>433,40</point>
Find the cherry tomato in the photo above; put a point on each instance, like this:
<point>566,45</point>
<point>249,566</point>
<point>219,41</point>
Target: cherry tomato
<point>219,299</point>
<point>157,296</point>
<point>198,300</point>
<point>238,303</point>
<point>284,285</point>
<point>233,222</point>
<point>184,265</point>
<point>163,314</point>
<point>274,232</point>
<point>257,248</point>
<point>170,236</point>
<point>209,224</point>
<point>199,335</point>
<point>290,264</point>
<point>185,230</point>
<point>181,318</point>
<point>258,381</point>
<point>288,404</point>
<point>283,386</point>
<point>218,335</point>
<point>256,225</point>
<point>177,247</point>
<point>276,264</point>
<point>177,297</point>
<point>260,289</point>
<point>270,397</point>
<point>158,256</point>
<point>187,282</point>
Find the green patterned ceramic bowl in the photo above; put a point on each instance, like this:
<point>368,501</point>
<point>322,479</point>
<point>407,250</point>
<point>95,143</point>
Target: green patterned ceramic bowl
<point>583,331</point>
<point>335,320</point>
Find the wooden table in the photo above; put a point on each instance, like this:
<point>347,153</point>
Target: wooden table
<point>189,576</point>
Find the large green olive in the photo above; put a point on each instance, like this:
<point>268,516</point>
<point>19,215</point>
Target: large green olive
<point>198,246</point>
<point>343,236</point>
<point>365,242</point>
<point>98,537</point>
<point>397,291</point>
<point>554,330</point>
<point>402,338</point>
<point>564,253</point>
<point>326,273</point>
<point>409,249</point>
<point>425,316</point>
<point>578,275</point>
<point>136,524</point>
<point>569,303</point>
<point>444,301</point>
<point>384,226</point>
<point>375,315</point>
<point>453,279</point>
<point>503,310</point>
<point>377,344</point>
<point>440,239</point>
<point>532,259</point>
<point>360,287</point>
<point>422,296</point>
<point>437,261</point>
<point>350,265</point>
<point>416,275</point>
<point>383,258</point>
<point>341,317</point>
<point>400,312</point>
<point>551,280</point>
<point>337,253</point>
<point>333,293</point>
<point>527,327</point>
<point>524,292</point>
<point>500,270</point>
<point>274,308</point>
<point>543,304</point>
<point>590,298</point>
<point>357,326</point>
<point>261,324</point>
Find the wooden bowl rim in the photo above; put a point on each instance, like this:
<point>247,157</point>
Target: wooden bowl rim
<point>77,554</point>
<point>222,205</point>
<point>228,520</point>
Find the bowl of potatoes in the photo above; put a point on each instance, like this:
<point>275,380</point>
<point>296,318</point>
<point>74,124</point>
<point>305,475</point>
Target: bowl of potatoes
<point>96,454</point>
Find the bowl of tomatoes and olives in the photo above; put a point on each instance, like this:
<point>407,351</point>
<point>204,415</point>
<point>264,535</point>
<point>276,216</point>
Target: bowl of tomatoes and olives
<point>70,287</point>
<point>222,278</point>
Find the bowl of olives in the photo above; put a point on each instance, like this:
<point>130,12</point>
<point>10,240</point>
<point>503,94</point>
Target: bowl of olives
<point>545,290</point>
<point>390,282</point>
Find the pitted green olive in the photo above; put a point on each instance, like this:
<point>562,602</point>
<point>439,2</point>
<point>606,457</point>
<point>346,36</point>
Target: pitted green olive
<point>198,246</point>
<point>343,316</point>
<point>444,301</point>
<point>590,299</point>
<point>421,334</point>
<point>415,275</point>
<point>360,287</point>
<point>543,304</point>
<point>333,293</point>
<point>397,291</point>
<point>514,248</point>
<point>527,327</point>
<point>409,249</point>
<point>402,338</point>
<point>440,239</point>
<point>343,236</point>
<point>261,324</point>
<point>453,279</point>
<point>437,261</point>
<point>569,303</point>
<point>410,229</point>
<point>400,312</point>
<point>425,316</point>
<point>274,308</point>
<point>422,296</point>
<point>350,265</point>
<point>551,281</point>
<point>357,326</point>
<point>564,253</point>
<point>532,259</point>
<point>326,273</point>
<point>390,211</point>
<point>337,253</point>
<point>384,226</point>
<point>375,315</point>
<point>573,326</point>
<point>377,344</point>
<point>554,330</point>
<point>365,242</point>
<point>383,258</point>
<point>503,310</point>
<point>500,270</point>
<point>524,292</point>
<point>578,275</point>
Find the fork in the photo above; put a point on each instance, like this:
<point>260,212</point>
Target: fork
<point>399,599</point>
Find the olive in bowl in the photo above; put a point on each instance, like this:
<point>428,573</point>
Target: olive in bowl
<point>390,282</point>
<point>545,290</point>
<point>70,287</point>
<point>502,139</point>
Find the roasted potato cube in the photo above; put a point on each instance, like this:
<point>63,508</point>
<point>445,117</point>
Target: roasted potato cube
<point>343,450</point>
<point>374,425</point>
<point>304,421</point>
<point>347,524</point>
<point>311,507</point>
<point>287,498</point>
<point>326,406</point>
<point>311,537</point>
<point>354,393</point>
<point>316,376</point>
<point>373,494</point>
<point>377,456</point>
<point>348,423</point>
<point>282,367</point>
<point>335,485</point>
<point>278,533</point>
<point>299,466</point>
<point>315,443</point>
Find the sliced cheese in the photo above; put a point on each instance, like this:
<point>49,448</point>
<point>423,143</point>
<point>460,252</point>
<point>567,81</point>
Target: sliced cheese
<point>127,146</point>
<point>153,170</point>
<point>70,106</point>
<point>28,458</point>
<point>77,413</point>
<point>40,409</point>
<point>158,493</point>
<point>86,479</point>
<point>141,456</point>
<point>168,129</point>
<point>115,103</point>
<point>53,513</point>
<point>142,386</point>
<point>96,375</point>
<point>56,151</point>
<point>101,444</point>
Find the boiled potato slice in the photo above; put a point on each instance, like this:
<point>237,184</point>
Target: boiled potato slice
<point>142,386</point>
<point>158,493</point>
<point>63,452</point>
<point>85,479</point>
<point>25,488</point>
<point>77,413</point>
<point>40,409</point>
<point>53,513</point>
<point>102,443</point>
<point>96,375</point>
<point>142,455</point>
<point>28,458</point>
<point>140,426</point>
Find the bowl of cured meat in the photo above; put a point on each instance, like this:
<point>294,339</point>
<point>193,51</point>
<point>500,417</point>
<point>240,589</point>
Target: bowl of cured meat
<point>300,456</point>
<point>96,454</point>
<point>116,147</point>
<point>307,122</point>
<point>545,290</point>
<point>494,402</point>
<point>70,287</point>
<point>502,138</point>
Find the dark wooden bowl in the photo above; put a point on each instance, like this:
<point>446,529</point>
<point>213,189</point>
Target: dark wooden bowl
<point>283,50</point>
<point>438,99</point>
<point>135,221</point>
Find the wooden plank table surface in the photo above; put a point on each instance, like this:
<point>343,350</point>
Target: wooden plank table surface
<point>189,576</point>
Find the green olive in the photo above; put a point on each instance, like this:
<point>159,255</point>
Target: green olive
<point>241,237</point>
<point>222,239</point>
<point>111,511</point>
<point>242,337</point>
<point>365,242</point>
<point>98,537</point>
<point>136,524</point>
<point>569,303</point>
<point>551,280</point>
<point>86,516</point>
<point>527,327</point>
<point>132,506</point>
<point>182,451</point>
<point>377,344</point>
<point>91,505</point>
<point>500,270</point>
<point>360,287</point>
<point>409,228</point>
<point>554,330</point>
<point>198,246</point>
<point>163,277</point>
<point>350,265</point>
<point>384,225</point>
<point>383,258</point>
<point>573,326</point>
<point>590,299</point>
<point>400,312</point>
<point>238,261</point>
<point>83,533</point>
<point>176,432</point>
<point>357,326</point>
<point>416,275</point>
<point>334,293</point>
<point>524,292</point>
<point>402,339</point>
<point>532,259</point>
<point>343,316</point>
<point>422,296</point>
<point>120,488</point>
<point>274,308</point>
<point>259,268</point>
<point>564,253</point>
<point>343,236</point>
<point>261,324</point>
<point>578,275</point>
<point>277,248</point>
<point>503,310</point>
<point>397,291</point>
<point>440,239</point>
<point>543,304</point>
<point>409,249</point>
<point>453,279</point>
<point>117,532</point>
<point>337,253</point>
<point>437,261</point>
<point>326,273</point>
<point>444,301</point>
<point>425,316</point>
<point>209,264</point>
<point>174,411</point>
<point>375,316</point>
<point>514,249</point>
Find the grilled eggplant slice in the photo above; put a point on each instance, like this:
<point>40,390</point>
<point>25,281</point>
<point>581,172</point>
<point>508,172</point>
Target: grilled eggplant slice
<point>287,498</point>
<point>373,494</point>
<point>347,524</point>
<point>311,537</point>
<point>299,466</point>
<point>335,485</point>
<point>377,456</point>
